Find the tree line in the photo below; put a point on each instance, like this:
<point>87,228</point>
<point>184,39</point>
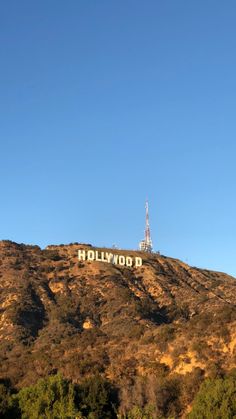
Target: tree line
<point>55,397</point>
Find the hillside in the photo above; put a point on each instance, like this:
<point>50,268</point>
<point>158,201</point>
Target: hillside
<point>162,321</point>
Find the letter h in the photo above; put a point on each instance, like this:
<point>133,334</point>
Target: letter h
<point>81,254</point>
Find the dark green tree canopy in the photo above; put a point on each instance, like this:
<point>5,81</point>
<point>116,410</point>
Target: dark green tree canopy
<point>215,399</point>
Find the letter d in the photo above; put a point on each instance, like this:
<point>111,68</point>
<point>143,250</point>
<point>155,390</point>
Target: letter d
<point>138,262</point>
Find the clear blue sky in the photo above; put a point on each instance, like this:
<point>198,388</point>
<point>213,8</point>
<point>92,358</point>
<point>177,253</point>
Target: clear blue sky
<point>103,103</point>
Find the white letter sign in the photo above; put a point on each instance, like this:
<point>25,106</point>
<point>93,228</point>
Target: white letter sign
<point>96,255</point>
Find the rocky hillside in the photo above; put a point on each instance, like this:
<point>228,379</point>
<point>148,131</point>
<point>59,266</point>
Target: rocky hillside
<point>163,319</point>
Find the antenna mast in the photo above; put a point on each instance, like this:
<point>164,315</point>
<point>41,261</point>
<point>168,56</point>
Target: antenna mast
<point>146,244</point>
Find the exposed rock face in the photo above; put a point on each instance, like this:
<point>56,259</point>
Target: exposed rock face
<point>57,313</point>
<point>88,324</point>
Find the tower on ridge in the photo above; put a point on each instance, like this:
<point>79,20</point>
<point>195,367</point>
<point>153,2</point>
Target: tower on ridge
<point>146,244</point>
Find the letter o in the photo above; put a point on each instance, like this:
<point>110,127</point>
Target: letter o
<point>90,255</point>
<point>121,260</point>
<point>129,261</point>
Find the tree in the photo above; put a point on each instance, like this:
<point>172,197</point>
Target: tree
<point>215,399</point>
<point>52,398</point>
<point>97,399</point>
<point>8,407</point>
<point>4,399</point>
<point>139,413</point>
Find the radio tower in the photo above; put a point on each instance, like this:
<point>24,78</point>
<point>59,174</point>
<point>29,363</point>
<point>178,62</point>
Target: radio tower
<point>146,244</point>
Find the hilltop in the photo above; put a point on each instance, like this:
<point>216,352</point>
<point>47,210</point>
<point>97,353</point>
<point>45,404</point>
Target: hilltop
<point>164,322</point>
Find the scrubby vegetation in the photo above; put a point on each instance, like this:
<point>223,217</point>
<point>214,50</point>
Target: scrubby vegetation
<point>130,344</point>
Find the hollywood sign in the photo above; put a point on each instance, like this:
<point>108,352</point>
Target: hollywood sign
<point>108,257</point>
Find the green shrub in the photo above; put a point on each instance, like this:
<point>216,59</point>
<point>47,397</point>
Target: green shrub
<point>8,409</point>
<point>97,399</point>
<point>215,399</point>
<point>140,413</point>
<point>50,398</point>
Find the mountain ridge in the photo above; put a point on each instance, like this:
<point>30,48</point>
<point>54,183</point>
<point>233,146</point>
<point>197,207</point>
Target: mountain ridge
<point>163,318</point>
